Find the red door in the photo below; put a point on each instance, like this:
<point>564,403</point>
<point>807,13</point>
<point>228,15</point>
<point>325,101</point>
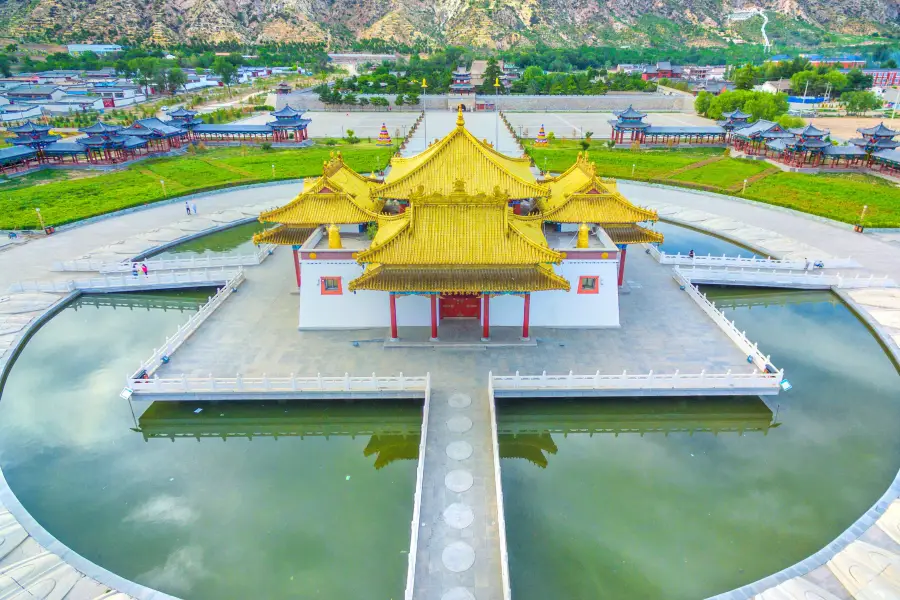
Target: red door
<point>456,306</point>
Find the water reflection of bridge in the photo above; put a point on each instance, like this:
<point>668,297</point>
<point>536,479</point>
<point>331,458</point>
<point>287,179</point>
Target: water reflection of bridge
<point>525,428</point>
<point>145,302</point>
<point>394,428</point>
<point>738,297</point>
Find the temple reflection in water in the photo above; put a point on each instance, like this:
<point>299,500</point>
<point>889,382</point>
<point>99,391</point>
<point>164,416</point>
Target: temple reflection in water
<point>393,427</point>
<point>525,427</point>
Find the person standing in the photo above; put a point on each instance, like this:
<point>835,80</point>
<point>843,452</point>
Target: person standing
<point>144,269</point>
<point>194,207</point>
<point>134,270</point>
<point>187,208</point>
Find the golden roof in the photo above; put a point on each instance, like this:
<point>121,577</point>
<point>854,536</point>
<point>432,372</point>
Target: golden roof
<point>629,233</point>
<point>579,196</point>
<point>460,155</point>
<point>284,235</point>
<point>459,280</point>
<point>340,195</point>
<point>459,229</point>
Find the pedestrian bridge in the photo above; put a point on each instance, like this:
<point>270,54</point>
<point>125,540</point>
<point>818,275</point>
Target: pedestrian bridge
<point>103,284</point>
<point>748,262</point>
<point>759,277</point>
<point>178,263</point>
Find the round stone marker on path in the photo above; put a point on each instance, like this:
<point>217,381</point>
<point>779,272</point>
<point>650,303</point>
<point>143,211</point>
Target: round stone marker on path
<point>458,593</point>
<point>458,557</point>
<point>459,481</point>
<point>459,400</point>
<point>459,450</point>
<point>458,515</point>
<point>459,424</point>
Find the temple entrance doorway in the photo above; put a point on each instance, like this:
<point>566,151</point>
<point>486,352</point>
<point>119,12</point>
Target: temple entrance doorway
<point>460,306</point>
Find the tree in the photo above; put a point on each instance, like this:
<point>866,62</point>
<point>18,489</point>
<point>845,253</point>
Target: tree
<point>701,103</point>
<point>176,79</point>
<point>6,64</point>
<point>859,102</point>
<point>744,77</point>
<point>889,64</point>
<point>491,73</point>
<point>857,80</point>
<point>532,72</point>
<point>225,69</point>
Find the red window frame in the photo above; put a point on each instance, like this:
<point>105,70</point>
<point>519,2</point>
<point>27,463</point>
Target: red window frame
<point>585,278</point>
<point>331,292</point>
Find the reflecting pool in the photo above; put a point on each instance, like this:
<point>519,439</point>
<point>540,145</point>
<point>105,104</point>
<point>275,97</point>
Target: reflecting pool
<point>292,500</point>
<point>235,240</point>
<point>683,239</point>
<point>686,498</point>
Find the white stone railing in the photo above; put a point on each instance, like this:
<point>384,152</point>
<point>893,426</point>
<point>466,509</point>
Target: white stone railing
<point>498,485</point>
<point>753,262</point>
<point>415,524</point>
<point>162,354</point>
<point>240,384</point>
<point>777,278</point>
<point>645,382</point>
<point>198,278</point>
<point>751,349</point>
<point>169,264</point>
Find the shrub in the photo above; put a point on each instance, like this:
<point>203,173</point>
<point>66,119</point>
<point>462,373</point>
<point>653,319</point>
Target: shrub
<point>585,144</point>
<point>551,136</point>
<point>266,146</point>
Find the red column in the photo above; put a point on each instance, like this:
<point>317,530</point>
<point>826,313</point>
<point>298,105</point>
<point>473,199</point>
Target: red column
<point>394,335</point>
<point>297,266</point>
<point>434,318</point>
<point>527,315</point>
<point>486,318</point>
<point>622,264</point>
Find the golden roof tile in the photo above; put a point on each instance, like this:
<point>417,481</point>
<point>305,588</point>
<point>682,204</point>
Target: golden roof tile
<point>459,229</point>
<point>459,280</point>
<point>460,155</point>
<point>284,235</point>
<point>632,234</point>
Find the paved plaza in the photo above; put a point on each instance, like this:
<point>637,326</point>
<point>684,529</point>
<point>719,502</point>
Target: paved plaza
<point>575,124</point>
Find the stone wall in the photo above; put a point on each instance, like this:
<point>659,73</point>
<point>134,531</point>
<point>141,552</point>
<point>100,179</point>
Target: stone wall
<point>607,103</point>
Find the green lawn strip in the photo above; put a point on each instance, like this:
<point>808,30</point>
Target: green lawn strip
<point>65,201</point>
<point>723,173</point>
<point>616,162</point>
<point>835,196</point>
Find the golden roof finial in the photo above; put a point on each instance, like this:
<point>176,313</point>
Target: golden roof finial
<point>334,237</point>
<point>459,118</point>
<point>583,233</point>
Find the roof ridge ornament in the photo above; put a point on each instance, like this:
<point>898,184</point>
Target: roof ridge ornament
<point>460,122</point>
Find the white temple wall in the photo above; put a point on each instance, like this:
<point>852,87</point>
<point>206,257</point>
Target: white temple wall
<point>347,310</point>
<point>509,311</point>
<point>571,309</point>
<point>413,311</point>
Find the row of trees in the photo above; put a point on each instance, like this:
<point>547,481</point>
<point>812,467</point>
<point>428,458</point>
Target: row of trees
<point>761,105</point>
<point>334,97</point>
<point>804,77</point>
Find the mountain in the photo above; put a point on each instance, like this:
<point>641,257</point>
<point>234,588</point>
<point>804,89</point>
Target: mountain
<point>484,23</point>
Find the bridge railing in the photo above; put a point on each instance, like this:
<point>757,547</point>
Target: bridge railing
<point>239,384</point>
<point>498,486</point>
<point>754,262</point>
<point>637,381</point>
<point>749,348</point>
<point>196,277</point>
<point>162,354</point>
<point>780,278</point>
<point>169,264</point>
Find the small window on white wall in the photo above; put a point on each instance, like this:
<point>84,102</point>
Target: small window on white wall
<point>589,284</point>
<point>331,286</point>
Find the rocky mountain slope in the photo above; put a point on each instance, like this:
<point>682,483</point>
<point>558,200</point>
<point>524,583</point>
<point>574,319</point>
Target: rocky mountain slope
<point>474,22</point>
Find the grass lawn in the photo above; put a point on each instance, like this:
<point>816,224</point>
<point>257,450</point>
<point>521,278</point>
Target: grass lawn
<point>617,162</point>
<point>724,173</point>
<point>67,196</point>
<point>836,196</point>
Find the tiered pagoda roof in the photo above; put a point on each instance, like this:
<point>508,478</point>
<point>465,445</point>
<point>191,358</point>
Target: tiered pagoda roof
<point>30,127</point>
<point>810,131</point>
<point>876,138</point>
<point>339,196</point>
<point>460,155</point>
<point>579,196</point>
<point>629,119</point>
<point>763,129</point>
<point>100,128</point>
<point>878,131</point>
<point>153,128</point>
<point>737,114</point>
<point>459,243</point>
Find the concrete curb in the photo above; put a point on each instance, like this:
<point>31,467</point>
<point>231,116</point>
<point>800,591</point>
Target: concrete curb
<point>193,236</point>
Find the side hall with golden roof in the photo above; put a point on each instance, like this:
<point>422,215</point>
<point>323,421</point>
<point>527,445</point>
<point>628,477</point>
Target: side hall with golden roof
<point>459,231</point>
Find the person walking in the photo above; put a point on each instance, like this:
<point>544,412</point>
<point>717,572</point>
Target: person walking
<point>194,207</point>
<point>187,208</point>
<point>144,269</point>
<point>134,270</point>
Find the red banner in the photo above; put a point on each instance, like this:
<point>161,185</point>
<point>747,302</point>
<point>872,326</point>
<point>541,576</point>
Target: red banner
<point>109,103</point>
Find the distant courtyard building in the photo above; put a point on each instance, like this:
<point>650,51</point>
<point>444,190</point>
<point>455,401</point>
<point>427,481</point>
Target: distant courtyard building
<point>630,124</point>
<point>95,48</point>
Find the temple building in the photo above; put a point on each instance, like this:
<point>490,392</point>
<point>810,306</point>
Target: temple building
<point>806,146</point>
<point>736,119</point>
<point>877,138</point>
<point>630,122</point>
<point>753,139</point>
<point>458,231</point>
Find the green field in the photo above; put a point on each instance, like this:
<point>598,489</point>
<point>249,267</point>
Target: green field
<point>839,197</point>
<point>67,196</point>
<point>618,162</point>
<point>835,196</point>
<point>726,173</point>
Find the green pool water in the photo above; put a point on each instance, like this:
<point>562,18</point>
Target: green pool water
<point>296,500</point>
<point>686,498</point>
<point>235,240</point>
